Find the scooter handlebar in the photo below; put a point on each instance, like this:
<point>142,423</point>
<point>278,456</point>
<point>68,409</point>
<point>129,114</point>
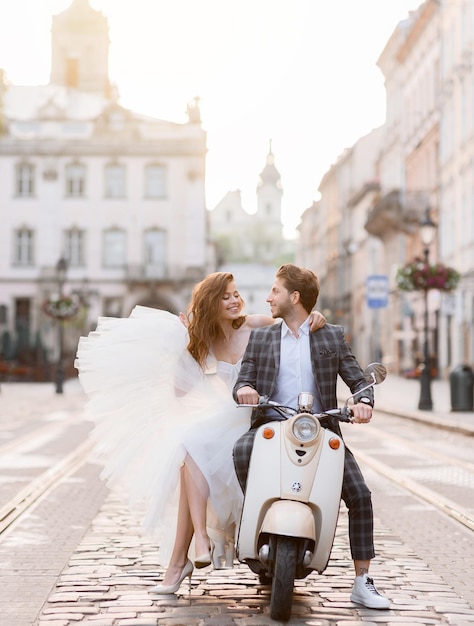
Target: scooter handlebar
<point>344,414</point>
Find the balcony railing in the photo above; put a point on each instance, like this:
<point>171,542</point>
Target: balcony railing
<point>137,273</point>
<point>390,215</point>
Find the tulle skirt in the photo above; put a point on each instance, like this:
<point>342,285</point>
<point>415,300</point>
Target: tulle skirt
<point>151,405</point>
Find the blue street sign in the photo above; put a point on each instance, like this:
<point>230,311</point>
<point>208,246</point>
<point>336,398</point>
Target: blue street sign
<point>377,291</point>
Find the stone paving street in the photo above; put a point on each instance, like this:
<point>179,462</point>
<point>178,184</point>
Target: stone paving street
<point>107,580</point>
<point>78,557</point>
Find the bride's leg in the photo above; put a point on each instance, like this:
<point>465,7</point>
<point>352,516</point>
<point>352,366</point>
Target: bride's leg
<point>197,491</point>
<point>184,535</point>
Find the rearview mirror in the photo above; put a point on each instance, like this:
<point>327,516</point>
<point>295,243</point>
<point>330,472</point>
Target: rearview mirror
<point>376,373</point>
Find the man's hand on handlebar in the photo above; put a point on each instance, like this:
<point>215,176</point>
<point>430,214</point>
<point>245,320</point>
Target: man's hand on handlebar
<point>362,413</point>
<point>247,395</point>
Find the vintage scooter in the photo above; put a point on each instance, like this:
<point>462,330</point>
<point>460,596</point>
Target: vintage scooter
<point>293,494</point>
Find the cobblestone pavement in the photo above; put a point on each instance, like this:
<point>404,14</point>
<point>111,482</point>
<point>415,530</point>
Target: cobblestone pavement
<point>78,558</point>
<point>107,579</point>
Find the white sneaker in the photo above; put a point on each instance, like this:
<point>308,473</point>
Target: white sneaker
<point>365,592</point>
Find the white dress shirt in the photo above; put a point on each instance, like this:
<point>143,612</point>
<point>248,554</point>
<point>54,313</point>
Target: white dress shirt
<point>295,374</point>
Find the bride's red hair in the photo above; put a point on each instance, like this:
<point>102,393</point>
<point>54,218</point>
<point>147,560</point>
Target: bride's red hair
<point>203,318</point>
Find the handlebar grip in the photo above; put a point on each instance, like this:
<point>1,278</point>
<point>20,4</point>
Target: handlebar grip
<point>346,415</point>
<point>266,400</point>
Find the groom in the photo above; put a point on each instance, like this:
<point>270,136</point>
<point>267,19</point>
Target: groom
<point>285,359</point>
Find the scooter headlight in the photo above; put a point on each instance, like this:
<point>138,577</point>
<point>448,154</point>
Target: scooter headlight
<point>305,428</point>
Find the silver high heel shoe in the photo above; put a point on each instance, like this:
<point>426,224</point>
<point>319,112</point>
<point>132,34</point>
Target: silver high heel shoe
<point>203,560</point>
<point>168,589</point>
<point>223,555</point>
<point>223,542</point>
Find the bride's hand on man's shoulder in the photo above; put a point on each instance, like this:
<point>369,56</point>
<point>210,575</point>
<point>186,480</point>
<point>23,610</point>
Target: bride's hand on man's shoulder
<point>316,321</point>
<point>183,319</point>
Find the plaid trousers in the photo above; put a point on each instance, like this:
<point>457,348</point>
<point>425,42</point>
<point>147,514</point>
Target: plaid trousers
<point>355,494</point>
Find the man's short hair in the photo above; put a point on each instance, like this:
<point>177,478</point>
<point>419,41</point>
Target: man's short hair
<point>302,280</point>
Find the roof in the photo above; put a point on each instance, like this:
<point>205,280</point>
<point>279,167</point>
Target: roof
<point>25,102</point>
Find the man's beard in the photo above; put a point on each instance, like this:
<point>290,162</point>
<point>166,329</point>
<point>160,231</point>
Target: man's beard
<point>283,310</point>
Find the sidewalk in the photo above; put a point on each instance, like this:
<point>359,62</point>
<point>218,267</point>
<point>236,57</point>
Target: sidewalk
<point>400,396</point>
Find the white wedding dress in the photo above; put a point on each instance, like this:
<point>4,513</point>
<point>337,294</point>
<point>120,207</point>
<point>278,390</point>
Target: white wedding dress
<point>151,405</point>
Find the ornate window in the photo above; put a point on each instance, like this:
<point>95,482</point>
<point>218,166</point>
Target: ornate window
<point>72,72</point>
<point>115,181</point>
<point>23,247</point>
<point>75,180</point>
<point>114,248</point>
<point>155,253</point>
<point>155,181</point>
<point>25,180</point>
<point>74,245</point>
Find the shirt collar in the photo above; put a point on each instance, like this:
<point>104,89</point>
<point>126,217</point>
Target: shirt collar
<point>303,329</point>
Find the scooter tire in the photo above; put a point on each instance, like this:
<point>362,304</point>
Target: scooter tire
<point>283,578</point>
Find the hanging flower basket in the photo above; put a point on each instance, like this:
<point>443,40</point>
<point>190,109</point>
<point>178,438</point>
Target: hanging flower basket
<point>421,276</point>
<point>64,308</point>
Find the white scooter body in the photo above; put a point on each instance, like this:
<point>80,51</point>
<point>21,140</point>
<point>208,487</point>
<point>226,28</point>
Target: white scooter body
<point>292,495</point>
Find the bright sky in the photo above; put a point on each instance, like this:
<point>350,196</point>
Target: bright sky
<point>299,72</point>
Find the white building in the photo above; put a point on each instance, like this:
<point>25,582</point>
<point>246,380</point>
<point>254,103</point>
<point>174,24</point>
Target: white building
<point>118,195</point>
<point>251,245</point>
<point>245,237</point>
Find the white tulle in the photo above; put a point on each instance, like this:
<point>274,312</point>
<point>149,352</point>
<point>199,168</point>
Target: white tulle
<point>151,404</point>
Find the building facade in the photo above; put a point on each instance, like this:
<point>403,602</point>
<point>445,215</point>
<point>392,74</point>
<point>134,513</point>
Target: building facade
<point>425,162</point>
<point>118,197</point>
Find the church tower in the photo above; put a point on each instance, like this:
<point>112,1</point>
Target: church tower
<point>80,49</point>
<point>268,216</point>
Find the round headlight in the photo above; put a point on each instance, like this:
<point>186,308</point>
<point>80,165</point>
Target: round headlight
<point>305,428</point>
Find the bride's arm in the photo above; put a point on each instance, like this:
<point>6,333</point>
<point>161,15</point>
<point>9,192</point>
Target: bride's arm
<point>316,320</point>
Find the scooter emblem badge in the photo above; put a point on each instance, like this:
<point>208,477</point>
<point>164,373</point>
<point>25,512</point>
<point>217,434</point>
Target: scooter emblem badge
<point>296,487</point>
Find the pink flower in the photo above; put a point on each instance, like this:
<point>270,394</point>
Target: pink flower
<point>420,276</point>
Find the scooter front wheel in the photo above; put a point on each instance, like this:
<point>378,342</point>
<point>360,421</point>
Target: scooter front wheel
<point>283,578</point>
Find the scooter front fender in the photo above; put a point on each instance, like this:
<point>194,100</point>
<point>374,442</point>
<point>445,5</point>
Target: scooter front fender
<point>289,518</point>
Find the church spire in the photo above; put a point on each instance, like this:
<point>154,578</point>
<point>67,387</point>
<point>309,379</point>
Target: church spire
<point>80,49</point>
<point>270,174</point>
<point>269,199</point>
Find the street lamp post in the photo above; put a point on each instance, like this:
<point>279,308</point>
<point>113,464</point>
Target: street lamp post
<point>85,295</point>
<point>427,234</point>
<point>61,270</point>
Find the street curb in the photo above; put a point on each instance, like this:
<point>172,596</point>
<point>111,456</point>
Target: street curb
<point>430,418</point>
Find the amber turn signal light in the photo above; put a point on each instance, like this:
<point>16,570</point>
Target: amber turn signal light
<point>268,433</point>
<point>334,443</point>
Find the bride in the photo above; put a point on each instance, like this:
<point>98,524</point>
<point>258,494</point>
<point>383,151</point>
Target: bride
<point>165,421</point>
